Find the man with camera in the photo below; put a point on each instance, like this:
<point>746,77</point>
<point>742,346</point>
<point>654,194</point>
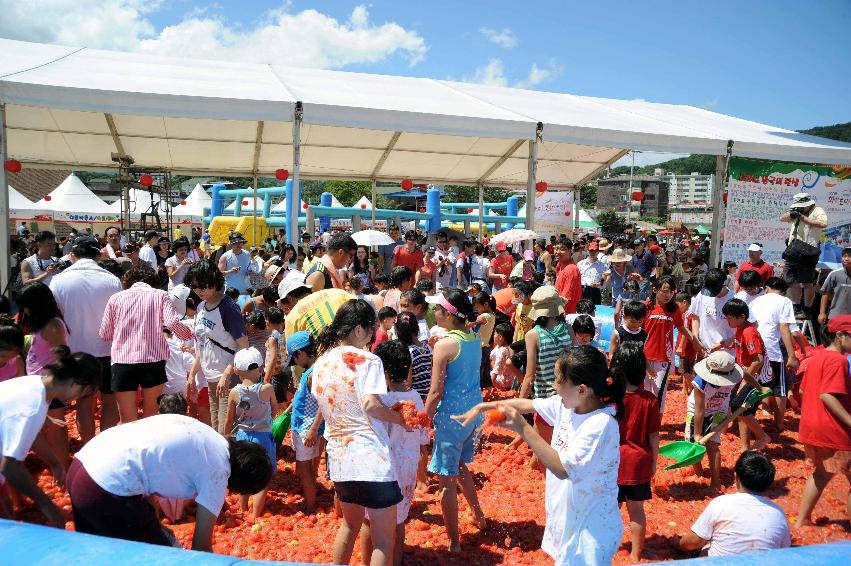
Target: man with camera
<point>807,221</point>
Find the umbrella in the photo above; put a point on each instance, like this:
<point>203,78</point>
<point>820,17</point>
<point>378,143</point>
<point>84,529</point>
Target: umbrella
<point>372,238</point>
<point>513,236</point>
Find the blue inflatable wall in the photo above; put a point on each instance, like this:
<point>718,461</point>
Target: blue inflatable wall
<point>34,545</point>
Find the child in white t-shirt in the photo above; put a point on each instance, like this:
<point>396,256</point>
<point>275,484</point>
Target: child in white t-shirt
<point>728,523</point>
<point>583,522</point>
<point>406,447</point>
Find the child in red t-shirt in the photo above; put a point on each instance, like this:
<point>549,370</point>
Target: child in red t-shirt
<point>750,354</point>
<point>825,428</point>
<point>639,428</point>
<point>685,349</point>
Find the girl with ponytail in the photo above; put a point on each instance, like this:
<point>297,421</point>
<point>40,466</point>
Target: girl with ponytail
<point>23,411</point>
<point>11,347</point>
<point>347,382</point>
<point>454,389</point>
<point>583,521</point>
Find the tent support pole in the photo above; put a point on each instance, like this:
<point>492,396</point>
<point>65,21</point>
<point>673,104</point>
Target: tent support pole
<point>292,221</point>
<point>718,208</point>
<point>374,204</point>
<point>258,144</point>
<point>481,188</point>
<point>254,212</point>
<point>4,202</point>
<point>530,177</point>
<point>574,224</point>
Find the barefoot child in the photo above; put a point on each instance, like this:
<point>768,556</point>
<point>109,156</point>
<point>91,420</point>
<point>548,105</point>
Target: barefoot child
<point>584,524</point>
<point>307,425</point>
<point>406,447</point>
<point>639,444</point>
<point>716,377</point>
<point>251,405</point>
<point>750,355</point>
<point>685,349</point>
<point>825,428</point>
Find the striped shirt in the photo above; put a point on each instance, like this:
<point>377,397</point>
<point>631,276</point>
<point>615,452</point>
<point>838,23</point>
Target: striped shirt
<point>420,369</point>
<point>133,321</point>
<point>550,345</point>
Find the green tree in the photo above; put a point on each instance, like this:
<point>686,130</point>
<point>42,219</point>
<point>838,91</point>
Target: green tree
<point>611,222</point>
<point>588,196</point>
<point>459,193</point>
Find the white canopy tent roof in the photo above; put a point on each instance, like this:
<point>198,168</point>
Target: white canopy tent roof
<point>72,201</point>
<point>282,206</point>
<point>364,203</point>
<point>22,208</point>
<point>140,201</point>
<point>250,204</point>
<point>195,201</point>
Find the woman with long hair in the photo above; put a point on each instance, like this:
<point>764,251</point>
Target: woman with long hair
<point>362,268</point>
<point>347,383</point>
<point>454,390</point>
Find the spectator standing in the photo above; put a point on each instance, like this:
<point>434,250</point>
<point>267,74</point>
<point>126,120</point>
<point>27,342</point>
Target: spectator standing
<point>836,291</point>
<point>147,253</point>
<point>112,249</point>
<point>755,263</point>
<point>408,255</point>
<point>42,265</point>
<point>643,263</point>
<point>234,264</point>
<point>568,278</point>
<point>82,292</point>
<point>387,251</point>
<point>591,271</point>
<point>807,221</point>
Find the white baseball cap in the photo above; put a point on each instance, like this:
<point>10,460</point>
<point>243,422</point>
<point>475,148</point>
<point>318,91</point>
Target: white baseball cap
<point>244,359</point>
<point>292,280</point>
<point>755,247</point>
<point>177,296</point>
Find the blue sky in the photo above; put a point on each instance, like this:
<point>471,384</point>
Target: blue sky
<point>781,62</point>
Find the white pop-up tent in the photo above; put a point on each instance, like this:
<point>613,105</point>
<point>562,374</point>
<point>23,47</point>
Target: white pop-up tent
<point>72,201</point>
<point>191,209</point>
<point>363,203</point>
<point>140,202</point>
<point>74,107</point>
<point>22,208</point>
<point>250,204</point>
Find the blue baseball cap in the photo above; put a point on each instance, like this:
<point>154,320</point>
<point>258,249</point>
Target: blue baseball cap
<point>298,341</point>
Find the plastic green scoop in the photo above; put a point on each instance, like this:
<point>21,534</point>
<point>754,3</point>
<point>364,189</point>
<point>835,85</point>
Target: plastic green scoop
<point>687,453</point>
<point>280,426</point>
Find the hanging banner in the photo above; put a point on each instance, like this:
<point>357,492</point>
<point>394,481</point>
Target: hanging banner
<point>760,191</point>
<point>554,213</point>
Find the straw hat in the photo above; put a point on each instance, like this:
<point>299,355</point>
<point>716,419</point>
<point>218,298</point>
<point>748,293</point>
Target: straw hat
<point>719,369</point>
<point>604,244</point>
<point>619,256</point>
<point>546,302</point>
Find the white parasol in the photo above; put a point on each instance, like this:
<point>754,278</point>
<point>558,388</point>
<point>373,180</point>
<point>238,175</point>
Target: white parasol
<point>513,236</point>
<point>372,238</point>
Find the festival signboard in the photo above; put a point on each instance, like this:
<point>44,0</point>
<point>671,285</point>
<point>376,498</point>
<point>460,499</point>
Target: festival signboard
<point>554,213</point>
<point>760,191</point>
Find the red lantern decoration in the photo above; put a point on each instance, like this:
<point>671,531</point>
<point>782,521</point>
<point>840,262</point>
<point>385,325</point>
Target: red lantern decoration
<point>183,203</point>
<point>567,213</point>
<point>637,195</point>
<point>245,203</point>
<point>407,184</point>
<point>363,206</point>
<point>541,186</point>
<point>422,210</point>
<point>282,174</point>
<point>13,166</point>
<point>146,180</point>
<point>304,206</point>
<point>724,198</point>
<point>48,198</point>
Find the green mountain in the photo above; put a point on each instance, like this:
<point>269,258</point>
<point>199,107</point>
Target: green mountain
<point>838,132</point>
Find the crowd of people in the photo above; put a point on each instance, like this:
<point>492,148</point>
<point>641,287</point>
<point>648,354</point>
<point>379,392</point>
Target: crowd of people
<point>177,357</point>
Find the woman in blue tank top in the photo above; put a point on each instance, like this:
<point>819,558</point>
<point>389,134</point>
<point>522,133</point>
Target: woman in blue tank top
<point>454,389</point>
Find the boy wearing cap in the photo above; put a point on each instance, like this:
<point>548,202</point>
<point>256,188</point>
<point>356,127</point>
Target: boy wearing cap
<point>501,266</point>
<point>307,423</point>
<point>591,270</point>
<point>251,405</point>
<point>715,378</point>
<point>755,263</point>
<point>807,221</point>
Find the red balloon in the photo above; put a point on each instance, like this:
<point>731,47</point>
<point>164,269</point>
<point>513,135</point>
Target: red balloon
<point>407,184</point>
<point>13,166</point>
<point>48,198</point>
<point>541,186</point>
<point>304,206</point>
<point>363,206</point>
<point>183,203</point>
<point>245,203</point>
<point>282,174</point>
<point>637,195</point>
<point>469,210</point>
<point>724,198</point>
<point>422,210</point>
<point>146,180</point>
<point>567,213</point>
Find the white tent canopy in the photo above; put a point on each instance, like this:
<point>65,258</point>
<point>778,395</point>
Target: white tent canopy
<point>72,201</point>
<point>194,205</point>
<point>140,201</point>
<point>65,108</point>
<point>22,208</point>
<point>250,205</point>
<point>364,203</point>
<point>282,206</point>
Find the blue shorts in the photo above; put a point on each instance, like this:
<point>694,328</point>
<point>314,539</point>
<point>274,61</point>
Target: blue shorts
<point>453,444</point>
<point>265,440</point>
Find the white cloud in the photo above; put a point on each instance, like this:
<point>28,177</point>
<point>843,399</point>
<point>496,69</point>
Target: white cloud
<point>493,73</point>
<point>710,104</point>
<point>504,38</point>
<point>308,38</point>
